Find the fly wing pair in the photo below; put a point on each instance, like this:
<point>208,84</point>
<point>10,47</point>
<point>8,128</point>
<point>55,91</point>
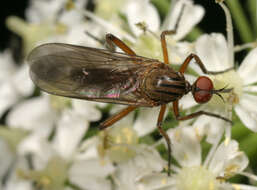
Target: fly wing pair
<point>88,73</point>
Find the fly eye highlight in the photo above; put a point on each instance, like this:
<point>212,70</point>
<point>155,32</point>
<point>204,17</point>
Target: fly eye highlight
<point>202,89</point>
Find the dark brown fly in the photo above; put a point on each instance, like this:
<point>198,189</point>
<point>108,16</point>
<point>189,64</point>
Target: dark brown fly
<point>107,76</point>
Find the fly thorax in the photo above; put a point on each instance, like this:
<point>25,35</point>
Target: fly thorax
<point>165,85</point>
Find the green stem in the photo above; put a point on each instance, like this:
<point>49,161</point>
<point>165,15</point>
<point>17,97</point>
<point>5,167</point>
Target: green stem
<point>163,7</point>
<point>252,8</point>
<point>240,20</point>
<point>239,131</point>
<point>194,34</point>
<point>249,144</point>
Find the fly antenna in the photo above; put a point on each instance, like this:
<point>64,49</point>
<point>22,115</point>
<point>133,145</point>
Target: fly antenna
<point>222,90</point>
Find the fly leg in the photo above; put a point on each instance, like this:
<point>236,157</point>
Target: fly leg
<point>169,32</point>
<point>163,107</point>
<point>107,123</point>
<point>196,114</point>
<point>164,134</point>
<point>164,44</point>
<point>201,65</point>
<point>112,40</point>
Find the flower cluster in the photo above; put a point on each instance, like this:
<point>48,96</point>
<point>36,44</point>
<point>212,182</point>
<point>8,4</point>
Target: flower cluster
<point>51,142</point>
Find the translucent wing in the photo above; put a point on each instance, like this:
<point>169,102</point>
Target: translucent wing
<point>88,73</point>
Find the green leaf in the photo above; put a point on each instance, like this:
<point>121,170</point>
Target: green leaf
<point>241,22</point>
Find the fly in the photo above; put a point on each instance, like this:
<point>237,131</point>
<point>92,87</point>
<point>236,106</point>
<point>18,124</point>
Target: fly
<point>122,78</point>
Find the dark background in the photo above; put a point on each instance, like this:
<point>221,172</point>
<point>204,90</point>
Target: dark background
<point>214,19</point>
<point>9,7</point>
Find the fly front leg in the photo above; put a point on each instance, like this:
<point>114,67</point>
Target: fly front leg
<point>170,32</point>
<point>113,119</point>
<point>164,134</point>
<point>201,65</point>
<point>196,114</point>
<point>164,44</point>
<point>112,40</point>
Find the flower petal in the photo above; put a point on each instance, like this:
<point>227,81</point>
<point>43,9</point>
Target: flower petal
<point>142,11</point>
<point>225,156</point>
<point>22,82</point>
<point>15,182</point>
<point>146,162</point>
<point>250,88</point>
<point>242,187</point>
<point>43,10</point>
<point>86,109</point>
<point>146,121</point>
<point>38,146</point>
<point>248,68</point>
<point>6,158</point>
<point>156,181</point>
<point>213,51</point>
<point>34,114</point>
<point>88,149</point>
<point>246,111</point>
<point>71,129</point>
<point>187,101</point>
<point>186,147</point>
<point>209,126</point>
<point>8,66</point>
<point>179,51</point>
<point>191,15</point>
<point>8,97</point>
<point>93,177</point>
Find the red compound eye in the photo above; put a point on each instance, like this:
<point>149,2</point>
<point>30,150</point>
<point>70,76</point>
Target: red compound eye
<point>202,89</point>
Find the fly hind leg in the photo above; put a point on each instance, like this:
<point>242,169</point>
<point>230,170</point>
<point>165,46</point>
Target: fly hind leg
<point>112,40</point>
<point>118,116</point>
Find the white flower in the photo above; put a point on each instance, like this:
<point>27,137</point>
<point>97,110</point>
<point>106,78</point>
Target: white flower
<point>192,15</point>
<point>10,162</point>
<point>146,161</point>
<point>59,160</point>
<point>213,51</point>
<point>135,11</point>
<point>141,11</point>
<point>55,10</point>
<point>12,179</point>
<point>52,21</point>
<point>42,9</point>
<point>91,174</point>
<point>150,46</point>
<point>6,158</point>
<point>42,114</point>
<point>15,83</point>
<point>35,114</point>
<point>195,172</point>
<point>120,145</point>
